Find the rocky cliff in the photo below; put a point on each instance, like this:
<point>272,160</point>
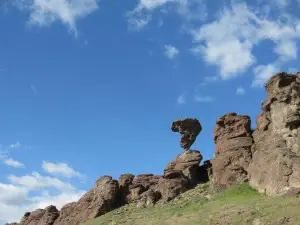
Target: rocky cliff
<point>275,165</point>
<point>268,158</point>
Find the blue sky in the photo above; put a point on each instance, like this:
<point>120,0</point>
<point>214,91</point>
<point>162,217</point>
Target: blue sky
<point>90,88</point>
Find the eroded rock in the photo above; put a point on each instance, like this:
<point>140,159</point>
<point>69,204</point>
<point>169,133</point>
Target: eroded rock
<point>100,199</point>
<point>189,128</point>
<point>233,141</point>
<point>187,164</point>
<point>45,216</point>
<point>275,167</point>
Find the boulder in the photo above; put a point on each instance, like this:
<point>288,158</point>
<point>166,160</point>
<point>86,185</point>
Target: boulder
<point>45,216</point>
<point>147,189</point>
<point>187,164</point>
<point>233,141</point>
<point>102,198</point>
<point>275,166</point>
<point>140,184</point>
<point>189,128</point>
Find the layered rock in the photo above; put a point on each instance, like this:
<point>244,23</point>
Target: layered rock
<point>100,199</point>
<point>189,128</point>
<point>187,164</point>
<point>233,141</point>
<point>147,189</point>
<point>275,166</point>
<point>45,216</point>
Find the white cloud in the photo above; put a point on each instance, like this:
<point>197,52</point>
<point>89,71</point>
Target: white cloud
<point>228,41</point>
<point>16,199</point>
<point>287,50</point>
<point>171,52</point>
<point>240,91</point>
<point>181,99</point>
<point>15,145</point>
<point>189,10</point>
<point>61,169</point>
<point>45,12</point>
<point>263,73</point>
<point>152,4</point>
<point>35,181</point>
<point>199,98</point>
<point>13,163</point>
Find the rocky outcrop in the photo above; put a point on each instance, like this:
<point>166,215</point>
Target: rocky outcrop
<point>189,129</point>
<point>275,166</point>
<point>124,181</point>
<point>100,199</point>
<point>45,216</point>
<point>143,190</point>
<point>233,141</point>
<point>147,189</point>
<point>186,163</point>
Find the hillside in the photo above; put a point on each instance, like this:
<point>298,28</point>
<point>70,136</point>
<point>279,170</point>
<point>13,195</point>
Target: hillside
<point>237,206</point>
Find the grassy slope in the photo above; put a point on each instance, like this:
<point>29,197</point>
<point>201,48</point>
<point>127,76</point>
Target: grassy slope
<point>237,206</point>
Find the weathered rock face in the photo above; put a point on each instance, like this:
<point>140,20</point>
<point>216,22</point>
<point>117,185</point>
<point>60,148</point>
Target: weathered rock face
<point>275,167</point>
<point>100,199</point>
<point>233,141</point>
<point>45,216</point>
<point>125,181</point>
<point>189,129</point>
<point>187,163</point>
<point>147,189</point>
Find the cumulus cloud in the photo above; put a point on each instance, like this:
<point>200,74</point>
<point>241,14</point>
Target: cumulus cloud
<point>228,41</point>
<point>13,163</point>
<point>240,91</point>
<point>199,98</point>
<point>60,169</point>
<point>45,12</point>
<point>16,197</point>
<point>171,52</point>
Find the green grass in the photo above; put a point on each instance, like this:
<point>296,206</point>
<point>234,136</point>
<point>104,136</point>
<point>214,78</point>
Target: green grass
<point>237,206</point>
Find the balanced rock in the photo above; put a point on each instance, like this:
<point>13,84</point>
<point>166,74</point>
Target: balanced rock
<point>187,164</point>
<point>189,129</point>
<point>45,216</point>
<point>275,166</point>
<point>100,199</point>
<point>233,141</point>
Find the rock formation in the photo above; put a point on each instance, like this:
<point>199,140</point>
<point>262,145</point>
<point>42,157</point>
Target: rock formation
<point>124,181</point>
<point>233,141</point>
<point>147,189</point>
<point>45,216</point>
<point>187,163</point>
<point>275,166</point>
<point>189,129</point>
<point>100,199</point>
